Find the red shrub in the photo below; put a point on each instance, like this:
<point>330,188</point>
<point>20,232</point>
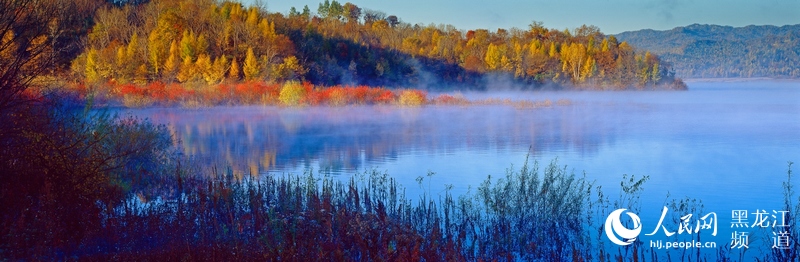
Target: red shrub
<point>244,93</point>
<point>316,97</point>
<point>158,91</point>
<point>359,94</point>
<point>338,95</point>
<point>308,86</point>
<point>130,89</point>
<point>445,99</point>
<point>269,93</point>
<point>385,96</point>
<point>175,92</point>
<point>210,96</point>
<point>224,92</point>
<point>255,92</point>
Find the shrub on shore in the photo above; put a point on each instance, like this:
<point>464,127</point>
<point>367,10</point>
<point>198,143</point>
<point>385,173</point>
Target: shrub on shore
<point>292,93</point>
<point>412,98</point>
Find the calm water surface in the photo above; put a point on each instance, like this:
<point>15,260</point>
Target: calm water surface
<point>724,143</point>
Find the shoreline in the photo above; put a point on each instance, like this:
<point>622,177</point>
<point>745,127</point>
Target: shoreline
<point>738,79</point>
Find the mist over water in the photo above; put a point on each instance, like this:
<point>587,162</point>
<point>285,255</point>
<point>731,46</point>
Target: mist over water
<point>726,144</point>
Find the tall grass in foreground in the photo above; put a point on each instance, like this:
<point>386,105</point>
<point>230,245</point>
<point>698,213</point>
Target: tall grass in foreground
<point>529,214</point>
<point>78,185</point>
<point>533,213</point>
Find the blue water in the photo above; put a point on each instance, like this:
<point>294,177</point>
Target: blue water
<point>726,144</point>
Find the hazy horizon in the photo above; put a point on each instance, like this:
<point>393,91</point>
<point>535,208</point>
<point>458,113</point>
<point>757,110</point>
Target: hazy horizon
<point>611,16</point>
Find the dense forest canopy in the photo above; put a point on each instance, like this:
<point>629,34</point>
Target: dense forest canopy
<point>709,51</point>
<point>211,41</point>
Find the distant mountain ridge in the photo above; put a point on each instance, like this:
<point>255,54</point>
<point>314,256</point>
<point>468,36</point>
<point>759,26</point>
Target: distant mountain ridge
<point>711,51</point>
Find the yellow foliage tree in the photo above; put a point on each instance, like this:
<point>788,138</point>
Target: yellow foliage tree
<point>140,74</point>
<point>535,47</point>
<point>267,29</point>
<point>204,67</point>
<point>186,71</point>
<point>494,56</point>
<point>553,52</point>
<point>588,70</point>
<point>92,73</point>
<point>292,93</point>
<point>157,49</point>
<point>188,45</point>
<point>122,70</point>
<point>235,72</point>
<point>173,61</point>
<point>251,67</point>
<point>122,58</point>
<point>252,16</point>
<point>412,98</point>
<point>506,64</point>
<point>128,60</point>
<point>290,69</point>
<point>201,45</point>
<point>131,53</point>
<point>218,69</point>
<point>573,57</point>
<point>160,45</point>
<point>655,73</point>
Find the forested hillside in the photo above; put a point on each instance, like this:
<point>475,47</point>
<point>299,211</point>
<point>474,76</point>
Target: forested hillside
<point>710,51</point>
<point>209,42</point>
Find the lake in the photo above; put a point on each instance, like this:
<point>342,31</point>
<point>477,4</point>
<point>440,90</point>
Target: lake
<point>725,143</point>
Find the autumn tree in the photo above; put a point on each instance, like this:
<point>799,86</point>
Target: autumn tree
<point>187,71</point>
<point>292,93</point>
<point>160,43</point>
<point>204,67</point>
<point>351,12</point>
<point>573,57</point>
<point>656,73</point>
<point>173,61</point>
<point>589,69</point>
<point>290,69</point>
<point>493,56</point>
<point>235,72</point>
<point>91,70</point>
<point>129,61</point>
<point>30,31</point>
<point>188,45</point>
<point>626,68</point>
<point>251,68</point>
<point>344,42</point>
<point>218,70</point>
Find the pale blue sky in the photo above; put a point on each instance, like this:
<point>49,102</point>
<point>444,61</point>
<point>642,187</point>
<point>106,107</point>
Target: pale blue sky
<point>612,16</point>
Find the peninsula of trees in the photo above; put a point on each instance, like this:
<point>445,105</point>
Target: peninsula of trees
<point>205,43</point>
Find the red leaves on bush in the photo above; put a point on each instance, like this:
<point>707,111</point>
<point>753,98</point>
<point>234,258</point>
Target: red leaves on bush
<point>175,92</point>
<point>445,99</point>
<point>385,96</point>
<point>158,91</point>
<point>253,92</point>
<point>130,89</point>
